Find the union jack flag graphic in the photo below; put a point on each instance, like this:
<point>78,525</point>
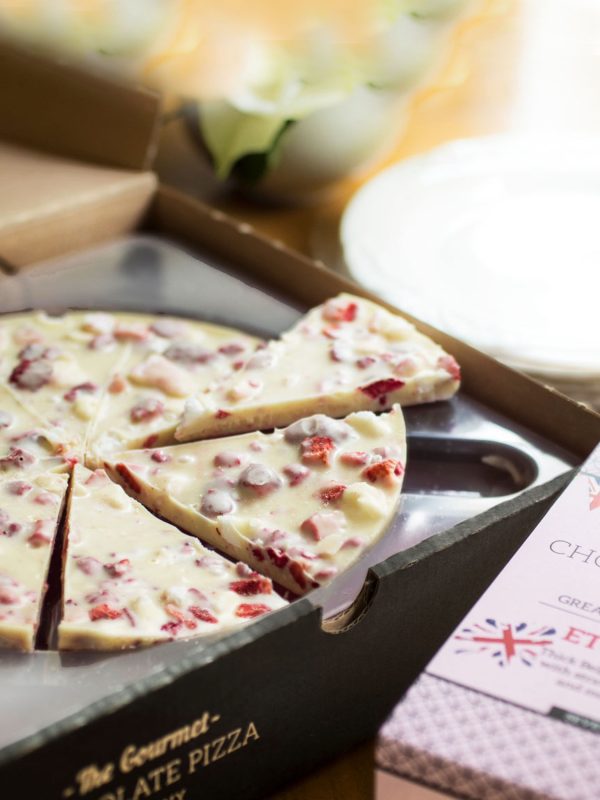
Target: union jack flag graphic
<point>593,490</point>
<point>506,643</point>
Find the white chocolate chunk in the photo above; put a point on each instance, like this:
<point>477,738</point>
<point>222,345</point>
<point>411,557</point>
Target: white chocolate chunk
<point>99,322</point>
<point>300,504</point>
<point>160,373</point>
<point>346,355</point>
<point>132,579</point>
<point>361,500</point>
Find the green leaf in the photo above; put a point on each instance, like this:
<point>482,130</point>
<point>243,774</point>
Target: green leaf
<point>230,134</point>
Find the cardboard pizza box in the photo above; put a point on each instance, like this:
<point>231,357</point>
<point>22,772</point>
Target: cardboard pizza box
<point>242,716</point>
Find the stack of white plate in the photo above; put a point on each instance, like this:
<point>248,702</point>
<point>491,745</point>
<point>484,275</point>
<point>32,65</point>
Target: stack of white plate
<point>496,241</point>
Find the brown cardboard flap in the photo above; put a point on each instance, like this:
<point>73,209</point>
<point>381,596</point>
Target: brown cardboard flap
<point>60,108</point>
<point>51,205</point>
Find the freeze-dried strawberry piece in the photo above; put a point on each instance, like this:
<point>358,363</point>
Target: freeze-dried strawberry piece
<point>385,472</point>
<point>332,493</point>
<point>175,612</point>
<point>253,585</point>
<point>216,502</point>
<point>450,365</point>
<point>117,384</point>
<point>88,565</point>
<point>405,367</point>
<point>331,332</point>
<point>6,419</point>
<point>227,459</point>
<point>203,614</point>
<point>353,541</point>
<point>160,373</point>
<point>325,574</point>
<point>40,537</point>
<point>222,414</point>
<point>334,311</point>
<point>250,610</point>
<point>296,473</point>
<point>381,387</point>
<point>232,348</point>
<point>261,359</point>
<point>365,362</point>
<point>150,441</point>
<point>98,476</point>
<point>316,449</point>
<point>87,388</point>
<point>101,342</point>
<point>147,409</point>
<point>104,611</point>
<point>172,628</point>
<point>32,436</point>
<point>118,568</point>
<point>16,459</point>
<point>8,596</point>
<point>31,375</point>
<point>168,328</point>
<point>355,459</point>
<point>297,574</point>
<point>277,556</point>
<point>189,353</point>
<point>99,322</point>
<point>128,478</point>
<point>322,524</point>
<point>129,616</point>
<point>341,352</point>
<point>9,528</point>
<point>45,499</point>
<point>18,487</point>
<point>257,553</point>
<point>131,331</point>
<point>259,479</point>
<point>160,457</point>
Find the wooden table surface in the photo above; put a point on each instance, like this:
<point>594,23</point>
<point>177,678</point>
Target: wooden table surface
<point>527,65</point>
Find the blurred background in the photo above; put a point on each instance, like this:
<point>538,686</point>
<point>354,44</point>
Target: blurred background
<point>442,152</point>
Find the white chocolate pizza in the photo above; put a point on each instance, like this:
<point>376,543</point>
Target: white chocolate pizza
<point>30,507</point>
<point>347,355</point>
<point>300,504</point>
<point>297,506</point>
<point>131,579</point>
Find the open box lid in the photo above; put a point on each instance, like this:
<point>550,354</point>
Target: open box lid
<point>75,151</point>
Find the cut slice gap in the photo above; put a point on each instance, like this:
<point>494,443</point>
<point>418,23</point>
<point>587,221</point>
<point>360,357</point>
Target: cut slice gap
<point>31,503</point>
<point>300,504</point>
<point>132,580</point>
<point>46,636</point>
<point>172,359</point>
<point>346,355</point>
